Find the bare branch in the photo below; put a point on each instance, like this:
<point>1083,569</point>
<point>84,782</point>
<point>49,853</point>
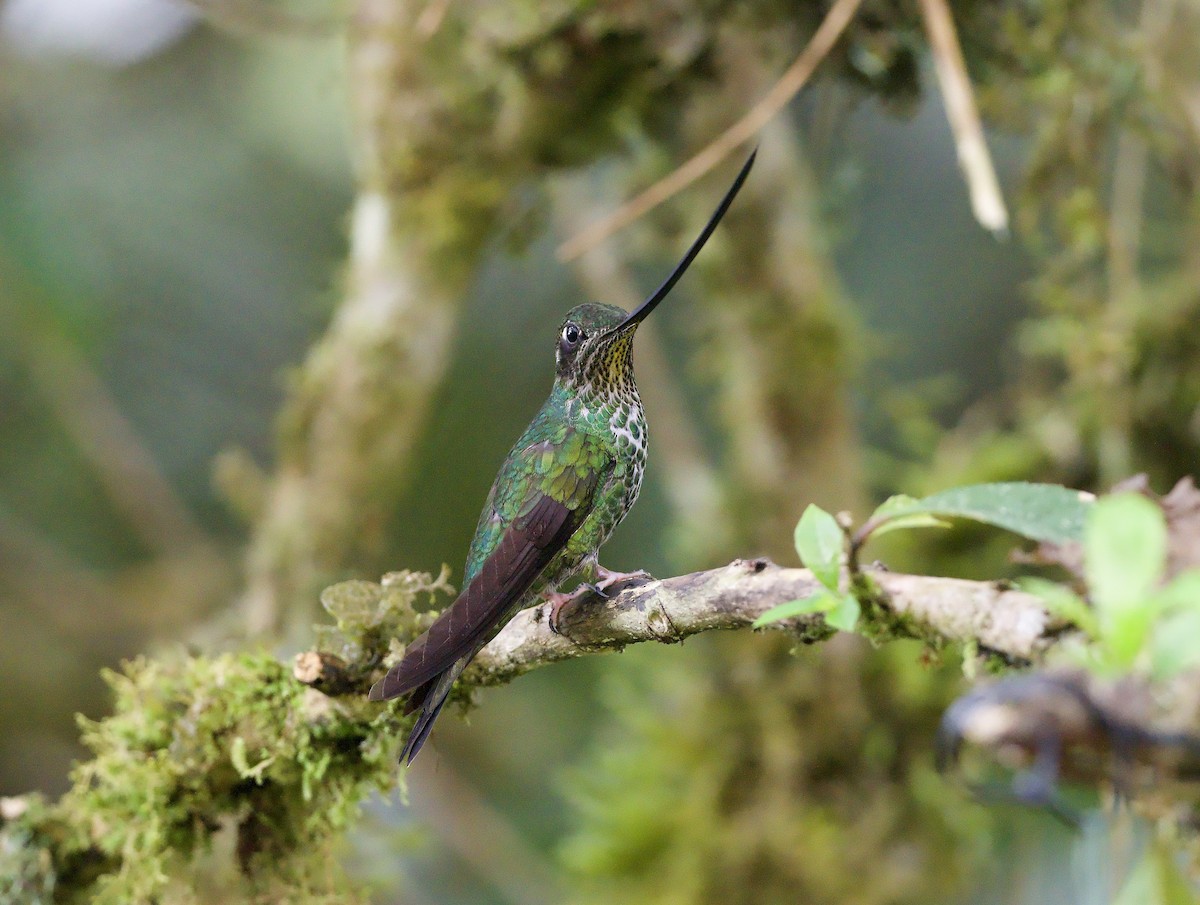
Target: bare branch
<point>999,619</point>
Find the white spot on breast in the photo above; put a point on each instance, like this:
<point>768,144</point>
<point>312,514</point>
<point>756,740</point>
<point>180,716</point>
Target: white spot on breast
<point>628,427</point>
<point>622,424</point>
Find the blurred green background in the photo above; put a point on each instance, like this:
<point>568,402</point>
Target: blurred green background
<point>170,236</point>
<point>174,214</point>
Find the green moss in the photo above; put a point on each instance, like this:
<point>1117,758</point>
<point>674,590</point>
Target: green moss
<point>27,873</point>
<point>200,749</point>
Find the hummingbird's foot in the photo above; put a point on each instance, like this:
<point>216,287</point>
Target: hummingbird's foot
<point>556,600</point>
<point>608,579</point>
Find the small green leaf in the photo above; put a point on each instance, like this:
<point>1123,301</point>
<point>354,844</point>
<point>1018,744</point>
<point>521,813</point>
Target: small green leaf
<point>237,756</point>
<point>1125,632</point>
<point>352,602</point>
<point>1183,593</point>
<point>1064,603</point>
<point>844,616</point>
<point>912,520</point>
<point>1124,551</point>
<point>817,603</point>
<point>819,541</point>
<point>899,504</point>
<point>1176,644</point>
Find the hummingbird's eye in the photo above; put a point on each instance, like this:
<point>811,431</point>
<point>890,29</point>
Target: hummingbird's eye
<point>571,334</point>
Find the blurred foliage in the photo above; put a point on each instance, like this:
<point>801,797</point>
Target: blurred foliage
<point>165,249</point>
<point>1010,436</point>
<point>1109,383</point>
<point>1134,618</point>
<point>742,788</point>
<point>1104,381</point>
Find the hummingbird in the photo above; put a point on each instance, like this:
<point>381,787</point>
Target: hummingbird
<point>568,481</point>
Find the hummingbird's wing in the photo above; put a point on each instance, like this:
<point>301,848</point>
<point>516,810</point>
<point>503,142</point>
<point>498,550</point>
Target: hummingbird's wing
<point>554,506</point>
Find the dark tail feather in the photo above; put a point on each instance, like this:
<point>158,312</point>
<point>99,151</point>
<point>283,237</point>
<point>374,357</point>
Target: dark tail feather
<point>432,698</point>
<point>416,698</point>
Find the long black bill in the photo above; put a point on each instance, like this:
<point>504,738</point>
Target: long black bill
<point>669,283</point>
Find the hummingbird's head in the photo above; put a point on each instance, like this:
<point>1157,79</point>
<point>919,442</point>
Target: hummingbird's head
<point>596,341</point>
<point>594,346</point>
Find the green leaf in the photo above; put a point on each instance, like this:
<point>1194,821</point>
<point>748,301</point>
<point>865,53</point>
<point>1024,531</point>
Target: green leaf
<point>913,520</point>
<point>1043,512</point>
<point>1183,593</point>
<point>1176,644</point>
<point>1125,634</point>
<point>237,756</point>
<point>819,541</point>
<point>817,603</point>
<point>844,616</point>
<point>899,504</point>
<point>1124,551</point>
<point>1064,603</point>
<point>353,601</point>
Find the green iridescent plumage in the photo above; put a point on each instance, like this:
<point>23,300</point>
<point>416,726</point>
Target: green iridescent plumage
<point>566,484</point>
<point>571,453</point>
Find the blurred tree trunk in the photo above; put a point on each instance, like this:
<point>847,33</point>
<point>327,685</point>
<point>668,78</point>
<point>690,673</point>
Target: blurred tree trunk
<point>358,403</point>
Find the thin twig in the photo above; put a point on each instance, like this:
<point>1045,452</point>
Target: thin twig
<point>973,156</point>
<point>1125,222</point>
<point>127,470</point>
<point>431,17</point>
<point>1132,162</point>
<point>796,76</point>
